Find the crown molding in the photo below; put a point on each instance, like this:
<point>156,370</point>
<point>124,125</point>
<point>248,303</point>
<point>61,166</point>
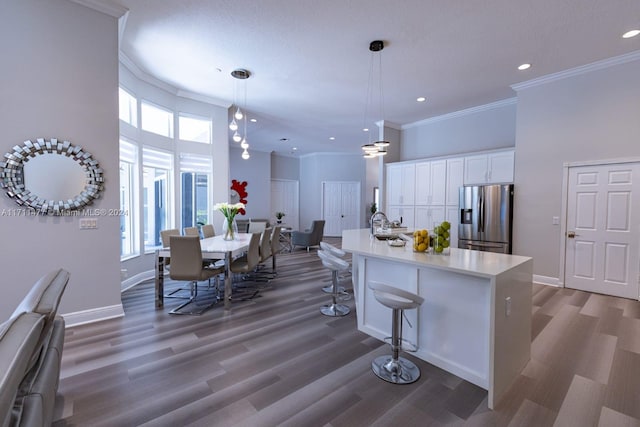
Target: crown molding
<point>461,113</point>
<point>583,69</point>
<point>141,75</point>
<point>104,6</point>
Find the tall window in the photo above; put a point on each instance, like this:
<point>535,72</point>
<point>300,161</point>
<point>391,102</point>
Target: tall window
<point>191,128</point>
<point>128,174</point>
<point>156,168</point>
<point>156,120</point>
<point>194,175</point>
<point>128,107</point>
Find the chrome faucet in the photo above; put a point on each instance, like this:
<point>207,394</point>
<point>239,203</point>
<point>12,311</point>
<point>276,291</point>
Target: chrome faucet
<point>374,216</point>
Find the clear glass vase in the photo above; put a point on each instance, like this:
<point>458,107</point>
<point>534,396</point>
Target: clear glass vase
<point>229,229</point>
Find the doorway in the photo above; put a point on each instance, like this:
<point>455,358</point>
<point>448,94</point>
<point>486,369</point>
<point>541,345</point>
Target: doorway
<point>340,207</point>
<point>602,236</point>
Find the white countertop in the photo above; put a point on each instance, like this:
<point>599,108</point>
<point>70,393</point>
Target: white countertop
<point>476,263</point>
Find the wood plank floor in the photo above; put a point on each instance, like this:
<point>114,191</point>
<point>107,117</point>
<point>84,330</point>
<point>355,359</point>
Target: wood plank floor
<point>275,360</point>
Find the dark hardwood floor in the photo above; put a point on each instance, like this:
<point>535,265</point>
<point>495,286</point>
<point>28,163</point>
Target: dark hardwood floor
<point>275,360</point>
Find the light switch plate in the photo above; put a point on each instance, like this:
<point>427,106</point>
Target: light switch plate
<point>555,220</point>
<point>88,223</point>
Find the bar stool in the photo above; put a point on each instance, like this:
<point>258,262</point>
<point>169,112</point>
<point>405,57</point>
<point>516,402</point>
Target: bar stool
<point>328,247</point>
<point>334,264</point>
<point>394,369</point>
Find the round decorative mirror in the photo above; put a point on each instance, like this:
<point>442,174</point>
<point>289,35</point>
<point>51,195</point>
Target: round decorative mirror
<point>51,177</point>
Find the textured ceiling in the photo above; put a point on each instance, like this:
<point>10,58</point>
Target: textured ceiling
<point>310,59</point>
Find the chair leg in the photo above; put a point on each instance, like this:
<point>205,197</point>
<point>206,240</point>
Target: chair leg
<point>192,299</point>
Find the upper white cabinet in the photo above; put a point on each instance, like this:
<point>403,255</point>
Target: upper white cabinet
<point>455,179</point>
<point>490,168</point>
<point>400,184</point>
<point>431,183</point>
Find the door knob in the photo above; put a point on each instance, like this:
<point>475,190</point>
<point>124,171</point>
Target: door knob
<point>571,234</point>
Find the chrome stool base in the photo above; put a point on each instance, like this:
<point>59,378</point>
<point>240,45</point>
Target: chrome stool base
<point>400,371</point>
<point>335,310</point>
<point>329,289</point>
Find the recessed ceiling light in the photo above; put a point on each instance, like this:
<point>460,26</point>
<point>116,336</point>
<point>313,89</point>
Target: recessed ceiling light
<point>421,99</point>
<point>630,34</point>
<point>294,148</point>
<point>523,67</point>
<point>332,138</point>
<point>365,129</point>
<point>253,120</point>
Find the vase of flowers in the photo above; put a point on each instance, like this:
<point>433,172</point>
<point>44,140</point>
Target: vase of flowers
<point>279,216</point>
<point>229,225</point>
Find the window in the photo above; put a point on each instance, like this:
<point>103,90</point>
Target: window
<point>156,189</point>
<point>156,120</point>
<point>128,107</point>
<point>128,174</point>
<point>194,175</point>
<point>194,129</point>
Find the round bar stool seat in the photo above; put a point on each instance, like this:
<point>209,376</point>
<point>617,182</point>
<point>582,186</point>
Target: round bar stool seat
<point>328,247</point>
<point>335,265</point>
<point>395,369</point>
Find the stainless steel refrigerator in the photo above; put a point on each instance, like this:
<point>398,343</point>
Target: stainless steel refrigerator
<point>486,216</point>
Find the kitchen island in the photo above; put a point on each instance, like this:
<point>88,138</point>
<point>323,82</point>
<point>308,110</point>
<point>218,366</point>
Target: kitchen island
<point>475,321</point>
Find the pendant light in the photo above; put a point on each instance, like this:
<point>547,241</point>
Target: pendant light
<point>239,116</point>
<point>377,148</point>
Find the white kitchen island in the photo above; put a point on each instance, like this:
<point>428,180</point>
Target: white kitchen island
<point>475,321</point>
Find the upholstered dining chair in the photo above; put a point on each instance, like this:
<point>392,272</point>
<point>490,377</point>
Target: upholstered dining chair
<point>245,264</point>
<point>310,237</point>
<point>186,257</point>
<point>191,231</point>
<point>275,247</point>
<point>166,234</point>
<point>208,231</point>
<point>257,226</point>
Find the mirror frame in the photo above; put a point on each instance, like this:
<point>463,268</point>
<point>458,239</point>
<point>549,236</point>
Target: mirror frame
<point>12,176</point>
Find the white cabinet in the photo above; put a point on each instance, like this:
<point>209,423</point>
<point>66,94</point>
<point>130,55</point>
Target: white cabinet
<point>489,168</point>
<point>400,184</point>
<point>426,217</point>
<point>455,179</point>
<point>431,183</point>
<point>453,215</point>
<point>404,214</point>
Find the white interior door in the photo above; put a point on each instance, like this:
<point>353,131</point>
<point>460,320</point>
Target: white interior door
<point>603,229</point>
<point>340,206</point>
<point>284,198</point>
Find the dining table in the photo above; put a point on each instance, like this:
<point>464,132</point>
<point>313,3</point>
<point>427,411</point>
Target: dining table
<point>213,248</point>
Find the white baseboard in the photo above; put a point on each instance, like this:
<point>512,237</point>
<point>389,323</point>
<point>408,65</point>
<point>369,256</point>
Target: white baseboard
<point>546,280</point>
<point>137,279</point>
<point>93,315</point>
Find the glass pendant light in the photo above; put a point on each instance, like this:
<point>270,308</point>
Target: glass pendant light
<point>244,144</point>
<point>233,126</point>
<point>238,115</point>
<point>377,148</point>
<point>237,137</point>
<point>245,155</point>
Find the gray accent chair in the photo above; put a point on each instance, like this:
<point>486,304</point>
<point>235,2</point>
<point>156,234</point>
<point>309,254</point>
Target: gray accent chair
<point>31,344</point>
<point>310,237</point>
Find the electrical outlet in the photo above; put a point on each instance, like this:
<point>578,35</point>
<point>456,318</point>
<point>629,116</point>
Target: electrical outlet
<point>88,223</point>
<point>507,306</point>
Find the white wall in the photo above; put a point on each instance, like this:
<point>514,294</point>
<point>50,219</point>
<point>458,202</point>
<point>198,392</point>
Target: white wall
<point>481,128</point>
<point>590,116</point>
<point>256,170</point>
<point>59,79</point>
<point>319,167</point>
<point>283,167</point>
